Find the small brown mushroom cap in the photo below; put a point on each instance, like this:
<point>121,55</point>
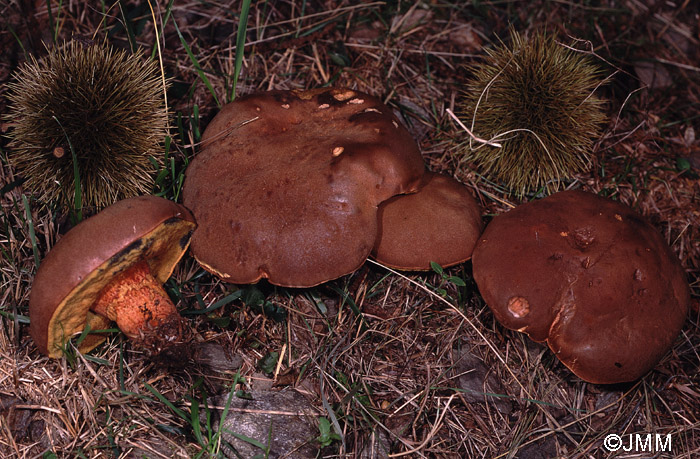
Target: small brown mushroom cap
<point>441,222</point>
<point>287,184</point>
<point>590,277</point>
<point>84,260</point>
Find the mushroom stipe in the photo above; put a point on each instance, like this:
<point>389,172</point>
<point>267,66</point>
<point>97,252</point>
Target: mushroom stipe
<point>110,267</point>
<point>136,301</point>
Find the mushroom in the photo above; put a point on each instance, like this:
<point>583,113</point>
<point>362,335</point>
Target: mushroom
<point>439,223</point>
<point>287,184</point>
<point>589,277</point>
<point>110,267</point>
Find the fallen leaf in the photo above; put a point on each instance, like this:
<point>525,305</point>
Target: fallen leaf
<point>653,75</point>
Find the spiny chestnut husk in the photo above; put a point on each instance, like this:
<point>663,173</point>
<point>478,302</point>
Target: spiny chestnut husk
<point>536,99</point>
<point>106,106</point>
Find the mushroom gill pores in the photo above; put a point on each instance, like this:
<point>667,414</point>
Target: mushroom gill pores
<point>110,267</point>
<point>287,184</point>
<point>588,276</point>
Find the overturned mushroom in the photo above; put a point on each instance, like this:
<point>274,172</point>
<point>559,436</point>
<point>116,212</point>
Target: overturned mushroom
<point>439,223</point>
<point>287,184</point>
<point>588,276</point>
<point>110,267</point>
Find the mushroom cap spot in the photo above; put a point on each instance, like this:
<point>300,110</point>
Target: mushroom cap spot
<point>518,306</point>
<point>86,258</point>
<point>609,298</point>
<point>343,94</point>
<point>270,200</point>
<point>441,222</point>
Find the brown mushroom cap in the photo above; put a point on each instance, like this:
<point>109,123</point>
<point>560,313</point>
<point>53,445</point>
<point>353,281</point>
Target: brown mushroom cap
<point>83,261</point>
<point>287,184</point>
<point>588,276</point>
<point>441,222</point>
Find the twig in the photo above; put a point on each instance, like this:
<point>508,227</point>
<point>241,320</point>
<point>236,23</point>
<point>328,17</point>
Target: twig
<point>471,134</point>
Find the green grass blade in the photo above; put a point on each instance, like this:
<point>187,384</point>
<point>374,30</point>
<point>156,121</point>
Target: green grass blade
<point>97,360</point>
<point>32,234</point>
<point>54,25</point>
<point>194,123</point>
<point>129,29</point>
<point>122,384</point>
<point>21,319</point>
<point>218,304</point>
<point>167,403</point>
<point>194,421</point>
<point>247,439</point>
<point>224,414</point>
<point>19,41</point>
<point>195,62</point>
<point>168,13</point>
<point>78,197</point>
<point>240,46</point>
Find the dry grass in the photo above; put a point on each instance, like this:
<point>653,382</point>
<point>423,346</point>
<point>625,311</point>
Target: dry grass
<point>394,371</point>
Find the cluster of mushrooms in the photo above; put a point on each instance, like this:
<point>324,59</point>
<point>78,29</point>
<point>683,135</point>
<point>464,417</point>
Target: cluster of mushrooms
<point>301,187</point>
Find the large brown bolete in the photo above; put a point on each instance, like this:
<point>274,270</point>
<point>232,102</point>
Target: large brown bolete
<point>441,223</point>
<point>287,184</point>
<point>110,267</point>
<point>590,277</point>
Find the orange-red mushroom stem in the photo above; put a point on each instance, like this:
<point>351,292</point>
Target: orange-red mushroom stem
<point>137,302</point>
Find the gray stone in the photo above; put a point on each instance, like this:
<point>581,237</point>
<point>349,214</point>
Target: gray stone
<point>376,445</point>
<point>284,422</point>
<point>480,385</point>
<point>214,357</point>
